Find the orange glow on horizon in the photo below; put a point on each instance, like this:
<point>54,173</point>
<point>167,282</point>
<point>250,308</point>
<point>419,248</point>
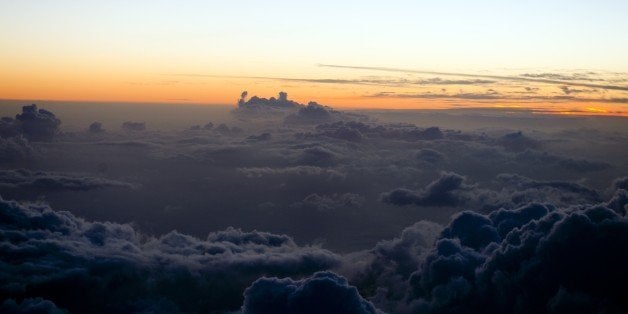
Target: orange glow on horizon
<point>108,83</point>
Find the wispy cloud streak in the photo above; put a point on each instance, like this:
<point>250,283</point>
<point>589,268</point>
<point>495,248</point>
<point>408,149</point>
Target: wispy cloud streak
<point>483,76</point>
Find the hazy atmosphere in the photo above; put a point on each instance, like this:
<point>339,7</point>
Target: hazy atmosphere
<point>409,157</point>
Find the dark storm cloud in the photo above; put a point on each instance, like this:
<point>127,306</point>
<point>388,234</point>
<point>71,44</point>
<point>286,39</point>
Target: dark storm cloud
<point>51,181</point>
<point>323,292</point>
<point>484,76</point>
<point>34,124</point>
<point>75,263</point>
<point>133,126</point>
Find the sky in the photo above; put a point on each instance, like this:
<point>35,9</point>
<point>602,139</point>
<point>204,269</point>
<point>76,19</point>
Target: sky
<point>216,156</point>
<point>210,51</point>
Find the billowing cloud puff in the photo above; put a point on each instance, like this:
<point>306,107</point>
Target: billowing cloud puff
<point>14,149</point>
<point>96,128</point>
<point>391,262</point>
<point>323,292</point>
<point>317,156</point>
<point>84,266</point>
<point>517,141</point>
<point>355,131</point>
<point>530,259</point>
<point>450,190</point>
<point>226,130</point>
<point>9,127</point>
<point>621,183</point>
<point>263,105</point>
<point>34,124</point>
<point>313,113</point>
<point>442,192</point>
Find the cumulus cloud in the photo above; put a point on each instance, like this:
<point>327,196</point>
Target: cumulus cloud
<point>34,124</point>
<point>517,141</point>
<point>524,260</point>
<point>450,190</point>
<point>313,113</point>
<point>355,130</point>
<point>96,128</point>
<point>323,292</point>
<point>317,156</point>
<point>265,105</point>
<point>442,192</point>
<point>384,278</point>
<point>14,149</point>
<point>318,183</point>
<point>82,266</point>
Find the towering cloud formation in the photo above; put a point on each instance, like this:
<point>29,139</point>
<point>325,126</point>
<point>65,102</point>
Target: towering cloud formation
<point>260,105</point>
<point>34,124</point>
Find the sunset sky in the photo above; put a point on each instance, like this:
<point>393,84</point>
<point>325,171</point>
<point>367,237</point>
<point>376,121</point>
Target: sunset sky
<point>559,56</point>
